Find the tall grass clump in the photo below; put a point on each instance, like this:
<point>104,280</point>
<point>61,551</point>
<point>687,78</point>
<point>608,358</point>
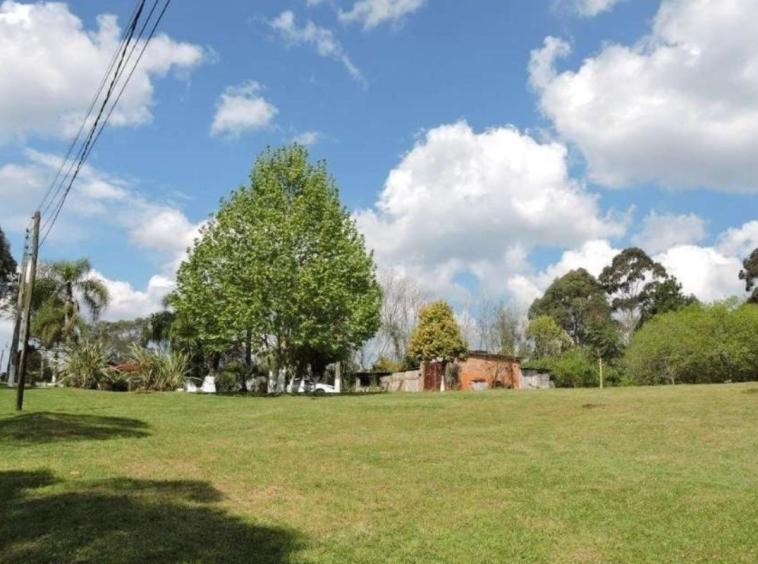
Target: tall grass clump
<point>86,365</point>
<point>157,371</point>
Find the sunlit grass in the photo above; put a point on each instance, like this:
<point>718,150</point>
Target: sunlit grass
<point>634,475</point>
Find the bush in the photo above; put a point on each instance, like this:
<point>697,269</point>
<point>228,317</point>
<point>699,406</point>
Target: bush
<point>227,381</point>
<point>578,368</point>
<point>574,369</point>
<point>86,366</point>
<point>158,371</point>
<point>699,344</point>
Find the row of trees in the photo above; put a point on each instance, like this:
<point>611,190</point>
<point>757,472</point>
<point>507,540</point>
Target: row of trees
<point>279,282</point>
<point>635,321</point>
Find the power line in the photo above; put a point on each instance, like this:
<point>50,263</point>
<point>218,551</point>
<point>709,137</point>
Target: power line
<point>97,127</point>
<point>75,140</point>
<point>95,98</point>
<point>81,156</point>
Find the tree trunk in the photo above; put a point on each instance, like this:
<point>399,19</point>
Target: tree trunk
<point>338,378</point>
<point>248,360</point>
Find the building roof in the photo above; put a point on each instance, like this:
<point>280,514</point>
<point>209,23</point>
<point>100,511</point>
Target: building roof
<point>493,356</point>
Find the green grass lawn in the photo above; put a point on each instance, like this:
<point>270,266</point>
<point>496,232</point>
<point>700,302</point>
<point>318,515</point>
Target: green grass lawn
<point>665,474</point>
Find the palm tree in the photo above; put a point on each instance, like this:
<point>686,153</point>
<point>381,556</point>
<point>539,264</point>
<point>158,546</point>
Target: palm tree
<point>68,283</point>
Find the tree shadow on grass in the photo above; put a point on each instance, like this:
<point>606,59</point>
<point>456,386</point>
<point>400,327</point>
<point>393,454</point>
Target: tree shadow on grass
<point>42,427</point>
<point>125,520</point>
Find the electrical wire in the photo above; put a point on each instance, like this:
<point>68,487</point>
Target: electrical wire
<point>97,126</point>
<point>75,140</point>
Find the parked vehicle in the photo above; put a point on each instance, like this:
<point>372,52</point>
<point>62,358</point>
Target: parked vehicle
<point>308,386</point>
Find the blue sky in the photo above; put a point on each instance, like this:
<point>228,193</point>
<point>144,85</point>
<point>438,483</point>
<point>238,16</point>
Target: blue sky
<point>469,168</point>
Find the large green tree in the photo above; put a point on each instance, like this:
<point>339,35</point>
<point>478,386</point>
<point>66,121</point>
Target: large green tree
<point>577,302</point>
<point>750,275</point>
<point>7,265</point>
<point>639,288</point>
<point>282,267</point>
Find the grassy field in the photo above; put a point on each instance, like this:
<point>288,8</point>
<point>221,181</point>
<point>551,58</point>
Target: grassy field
<point>664,474</point>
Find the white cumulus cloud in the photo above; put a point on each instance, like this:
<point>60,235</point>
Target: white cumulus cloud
<point>126,302</point>
<point>704,271</point>
<point>662,231</point>
<point>371,13</point>
<point>51,65</point>
<point>97,199</point>
<point>462,201</point>
<point>679,108</point>
<point>240,109</point>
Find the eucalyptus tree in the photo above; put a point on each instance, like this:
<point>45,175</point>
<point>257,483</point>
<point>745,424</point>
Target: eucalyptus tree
<point>577,303</point>
<point>282,266</point>
<point>639,288</point>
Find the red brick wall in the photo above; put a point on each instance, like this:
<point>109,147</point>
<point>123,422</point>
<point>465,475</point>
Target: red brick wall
<point>491,369</point>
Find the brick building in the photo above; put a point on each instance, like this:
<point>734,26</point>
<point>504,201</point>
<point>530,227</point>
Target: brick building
<point>479,371</point>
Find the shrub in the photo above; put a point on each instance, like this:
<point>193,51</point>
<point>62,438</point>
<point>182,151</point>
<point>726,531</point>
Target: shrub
<point>699,344</point>
<point>574,369</point>
<point>86,365</point>
<point>227,381</point>
<point>158,371</point>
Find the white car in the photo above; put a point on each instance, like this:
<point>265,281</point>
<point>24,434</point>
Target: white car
<point>307,386</point>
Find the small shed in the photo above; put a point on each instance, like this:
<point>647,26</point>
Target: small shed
<point>478,371</point>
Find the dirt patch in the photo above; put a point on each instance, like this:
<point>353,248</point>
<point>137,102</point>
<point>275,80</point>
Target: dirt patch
<point>591,405</point>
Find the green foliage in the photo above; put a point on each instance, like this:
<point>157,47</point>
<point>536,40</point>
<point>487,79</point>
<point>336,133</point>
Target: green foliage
<point>384,364</point>
<point>157,371</point>
<point>546,338</point>
<point>640,288</point>
<point>578,367</point>
<point>120,336</point>
<point>750,275</point>
<point>62,287</point>
<point>7,266</point>
<point>575,368</point>
<point>698,344</point>
<point>663,297</point>
<point>227,382</point>
<point>575,301</point>
<point>437,335</point>
<point>86,365</point>
<point>282,259</point>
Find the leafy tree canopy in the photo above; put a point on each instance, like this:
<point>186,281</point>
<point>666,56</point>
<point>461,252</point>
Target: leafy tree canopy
<point>639,288</point>
<point>546,337</point>
<point>750,275</point>
<point>7,265</point>
<point>575,301</point>
<point>698,344</point>
<point>282,261</point>
<point>437,335</point>
<point>59,292</point>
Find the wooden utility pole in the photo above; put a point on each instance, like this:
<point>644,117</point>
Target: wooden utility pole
<point>600,365</point>
<point>29,277</point>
